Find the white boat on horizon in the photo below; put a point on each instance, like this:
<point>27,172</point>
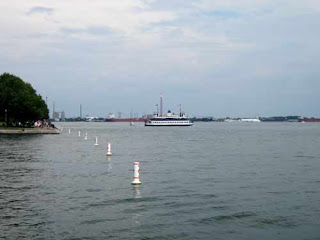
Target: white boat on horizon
<point>250,119</point>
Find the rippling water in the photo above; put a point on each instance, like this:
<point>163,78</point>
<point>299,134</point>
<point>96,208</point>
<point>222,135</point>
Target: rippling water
<point>209,181</point>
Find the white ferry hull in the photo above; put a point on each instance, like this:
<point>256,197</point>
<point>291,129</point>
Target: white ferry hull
<point>167,124</point>
<point>168,119</point>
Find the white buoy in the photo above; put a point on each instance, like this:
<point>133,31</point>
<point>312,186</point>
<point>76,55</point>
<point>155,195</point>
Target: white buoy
<point>96,144</point>
<point>109,150</point>
<point>69,130</point>
<point>86,136</point>
<point>136,173</point>
<point>79,134</point>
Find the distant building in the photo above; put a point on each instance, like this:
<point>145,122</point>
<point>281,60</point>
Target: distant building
<point>63,116</point>
<point>56,116</point>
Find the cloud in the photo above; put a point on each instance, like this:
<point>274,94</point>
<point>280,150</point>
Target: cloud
<point>38,9</point>
<point>221,14</point>
<point>223,49</point>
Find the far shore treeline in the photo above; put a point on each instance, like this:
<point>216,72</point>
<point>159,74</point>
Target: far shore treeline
<point>19,102</point>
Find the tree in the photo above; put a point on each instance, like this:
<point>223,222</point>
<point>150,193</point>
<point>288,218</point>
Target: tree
<point>20,100</point>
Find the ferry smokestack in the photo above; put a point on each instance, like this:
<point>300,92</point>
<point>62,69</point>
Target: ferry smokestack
<point>161,105</point>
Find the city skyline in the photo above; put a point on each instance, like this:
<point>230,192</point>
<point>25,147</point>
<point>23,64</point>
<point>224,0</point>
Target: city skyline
<point>216,58</point>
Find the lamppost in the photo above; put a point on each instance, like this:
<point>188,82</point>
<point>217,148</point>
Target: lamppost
<point>5,117</point>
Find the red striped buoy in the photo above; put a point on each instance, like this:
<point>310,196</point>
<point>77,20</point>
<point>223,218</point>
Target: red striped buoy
<point>109,150</point>
<point>136,173</point>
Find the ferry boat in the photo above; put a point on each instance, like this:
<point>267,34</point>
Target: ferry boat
<point>168,119</point>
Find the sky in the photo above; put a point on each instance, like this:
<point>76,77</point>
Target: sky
<point>220,58</point>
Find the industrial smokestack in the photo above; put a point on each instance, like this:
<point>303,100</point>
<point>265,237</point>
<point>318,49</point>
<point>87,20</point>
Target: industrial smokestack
<point>53,110</point>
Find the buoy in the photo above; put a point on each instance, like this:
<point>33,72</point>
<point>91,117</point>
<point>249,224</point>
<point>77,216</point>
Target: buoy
<point>79,134</point>
<point>136,173</point>
<point>109,150</point>
<point>69,130</point>
<point>86,136</point>
<point>96,144</point>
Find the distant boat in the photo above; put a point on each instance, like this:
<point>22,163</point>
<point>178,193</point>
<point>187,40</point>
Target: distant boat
<point>168,119</point>
<point>309,120</point>
<point>126,120</point>
<point>111,118</point>
<point>231,120</point>
<point>93,119</point>
<point>250,119</point>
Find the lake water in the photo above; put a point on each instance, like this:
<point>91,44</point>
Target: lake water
<point>209,181</point>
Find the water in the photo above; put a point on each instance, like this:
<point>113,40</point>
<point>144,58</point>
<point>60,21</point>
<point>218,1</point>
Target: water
<point>209,181</point>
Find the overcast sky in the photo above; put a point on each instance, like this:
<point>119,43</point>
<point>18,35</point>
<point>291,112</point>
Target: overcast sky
<point>216,57</point>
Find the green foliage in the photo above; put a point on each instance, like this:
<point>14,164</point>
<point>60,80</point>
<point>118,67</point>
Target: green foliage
<point>21,100</point>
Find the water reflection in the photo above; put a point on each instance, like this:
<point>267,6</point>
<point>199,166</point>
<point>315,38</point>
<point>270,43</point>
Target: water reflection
<point>109,163</point>
<point>136,215</point>
<point>136,191</point>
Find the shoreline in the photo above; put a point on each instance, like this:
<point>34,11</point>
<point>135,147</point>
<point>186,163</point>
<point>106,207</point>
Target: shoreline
<point>29,131</point>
